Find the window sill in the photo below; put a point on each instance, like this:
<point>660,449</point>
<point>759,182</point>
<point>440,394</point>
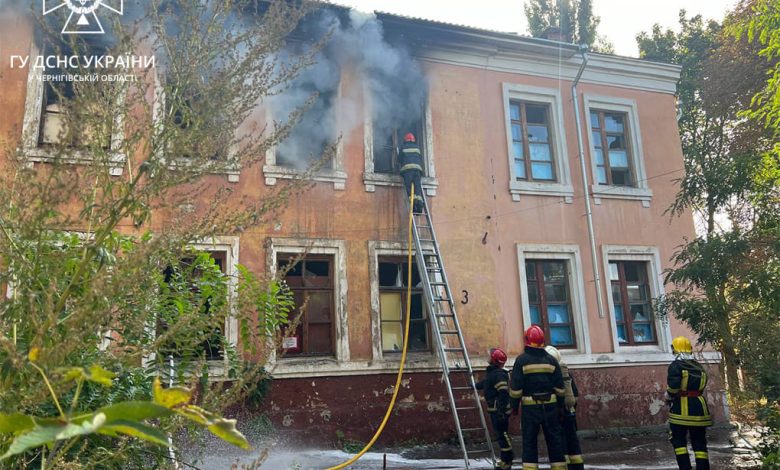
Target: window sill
<point>372,180</point>
<point>621,192</point>
<point>321,366</point>
<point>74,157</point>
<point>517,188</point>
<point>628,356</point>
<point>273,172</point>
<point>232,171</point>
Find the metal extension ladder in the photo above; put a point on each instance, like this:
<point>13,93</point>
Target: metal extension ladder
<point>465,403</point>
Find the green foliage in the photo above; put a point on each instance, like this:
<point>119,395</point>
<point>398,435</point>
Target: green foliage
<point>574,18</point>
<point>348,445</point>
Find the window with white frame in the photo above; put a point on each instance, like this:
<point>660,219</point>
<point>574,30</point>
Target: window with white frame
<point>536,144</point>
<point>615,143</point>
<point>50,119</point>
<point>382,140</point>
<point>553,295</point>
<point>307,140</point>
<point>316,274</point>
<point>635,279</point>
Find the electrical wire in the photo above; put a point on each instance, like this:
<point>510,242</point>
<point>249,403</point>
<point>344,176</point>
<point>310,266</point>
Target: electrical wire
<point>403,354</point>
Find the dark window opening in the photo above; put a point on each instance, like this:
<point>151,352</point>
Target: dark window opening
<point>393,282</point>
<point>309,139</point>
<point>388,140</point>
<point>311,282</point>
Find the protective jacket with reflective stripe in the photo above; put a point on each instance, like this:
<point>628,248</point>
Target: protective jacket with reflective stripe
<point>496,389</point>
<point>535,374</point>
<point>410,157</point>
<point>686,381</point>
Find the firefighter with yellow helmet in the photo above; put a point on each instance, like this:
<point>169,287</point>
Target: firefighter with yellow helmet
<point>688,411</point>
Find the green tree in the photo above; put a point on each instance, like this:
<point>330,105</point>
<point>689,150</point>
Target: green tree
<point>574,19</point>
<point>105,287</point>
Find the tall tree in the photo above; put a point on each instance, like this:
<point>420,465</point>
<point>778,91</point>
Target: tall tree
<point>574,18</point>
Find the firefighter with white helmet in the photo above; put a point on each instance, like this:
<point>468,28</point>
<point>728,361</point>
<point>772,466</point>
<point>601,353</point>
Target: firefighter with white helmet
<point>569,422</point>
<point>688,411</point>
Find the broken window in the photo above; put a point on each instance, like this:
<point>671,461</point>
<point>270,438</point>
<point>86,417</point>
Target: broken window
<point>610,144</point>
<point>198,281</point>
<point>549,300</point>
<point>60,123</point>
<point>311,282</point>
<point>310,137</point>
<point>631,302</point>
<point>389,139</point>
<point>393,277</point>
<point>531,141</point>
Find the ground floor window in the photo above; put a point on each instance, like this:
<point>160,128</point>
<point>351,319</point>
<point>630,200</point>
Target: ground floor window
<point>393,282</point>
<point>631,302</point>
<point>549,300</point>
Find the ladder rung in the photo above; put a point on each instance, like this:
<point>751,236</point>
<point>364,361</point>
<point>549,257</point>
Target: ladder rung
<point>438,283</point>
<point>466,408</point>
<point>453,349</point>
<point>463,388</point>
<point>444,315</point>
<point>448,332</point>
<point>478,451</point>
<point>433,270</point>
<point>441,299</point>
<point>472,429</point>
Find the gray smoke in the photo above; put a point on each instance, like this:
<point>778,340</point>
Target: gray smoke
<point>395,83</point>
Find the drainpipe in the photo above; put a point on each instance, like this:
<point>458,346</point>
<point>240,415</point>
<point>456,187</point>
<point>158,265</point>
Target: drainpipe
<point>585,185</point>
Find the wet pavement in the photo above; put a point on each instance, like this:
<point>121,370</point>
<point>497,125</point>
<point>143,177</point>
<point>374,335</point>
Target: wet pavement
<point>647,450</point>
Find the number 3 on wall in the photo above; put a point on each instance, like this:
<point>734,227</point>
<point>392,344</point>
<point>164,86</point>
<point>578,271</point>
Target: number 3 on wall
<point>465,297</point>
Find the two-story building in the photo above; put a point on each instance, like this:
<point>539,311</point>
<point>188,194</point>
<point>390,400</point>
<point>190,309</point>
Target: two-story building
<point>526,237</point>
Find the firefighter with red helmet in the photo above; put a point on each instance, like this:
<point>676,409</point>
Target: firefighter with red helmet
<point>537,384</point>
<point>411,163</point>
<point>495,386</point>
<point>688,411</point>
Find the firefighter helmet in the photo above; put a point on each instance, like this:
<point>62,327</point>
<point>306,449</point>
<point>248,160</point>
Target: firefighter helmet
<point>409,137</point>
<point>681,344</point>
<point>497,357</point>
<point>553,351</point>
<point>534,337</point>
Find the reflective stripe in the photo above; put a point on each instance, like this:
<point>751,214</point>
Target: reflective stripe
<point>680,450</point>
<point>505,449</point>
<point>684,406</point>
<point>538,368</point>
<point>515,393</point>
<point>697,421</point>
<point>410,166</point>
<point>530,466</point>
<point>672,391</point>
<point>558,465</point>
<point>701,455</point>
<point>684,385</point>
<point>503,387</point>
<point>491,409</point>
<point>703,381</point>
<point>559,391</point>
<point>574,458</point>
<point>411,150</point>
<point>503,382</point>
<point>531,401</point>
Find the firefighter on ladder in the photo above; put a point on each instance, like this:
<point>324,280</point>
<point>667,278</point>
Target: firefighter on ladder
<point>570,440</point>
<point>495,386</point>
<point>688,412</point>
<point>537,383</point>
<point>411,163</point>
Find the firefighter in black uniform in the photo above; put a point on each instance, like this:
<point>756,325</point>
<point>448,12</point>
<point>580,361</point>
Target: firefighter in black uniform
<point>411,163</point>
<point>537,383</point>
<point>496,390</point>
<point>688,412</point>
<point>569,421</point>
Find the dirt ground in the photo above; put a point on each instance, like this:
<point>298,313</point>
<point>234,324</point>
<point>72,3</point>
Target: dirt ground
<point>646,450</point>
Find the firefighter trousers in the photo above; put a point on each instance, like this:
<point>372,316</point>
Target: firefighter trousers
<point>414,178</point>
<point>501,428</point>
<point>679,441</point>
<point>544,416</point>
<point>572,442</point>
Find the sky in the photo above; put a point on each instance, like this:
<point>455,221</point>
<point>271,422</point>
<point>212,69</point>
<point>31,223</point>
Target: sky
<point>621,20</point>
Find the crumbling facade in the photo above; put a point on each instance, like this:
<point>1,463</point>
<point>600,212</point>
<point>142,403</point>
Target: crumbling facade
<point>504,184</point>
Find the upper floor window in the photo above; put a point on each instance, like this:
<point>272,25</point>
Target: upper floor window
<point>531,141</point>
<point>549,300</point>
<point>631,302</point>
<point>311,135</point>
<point>388,139</point>
<point>611,148</point>
<point>393,282</point>
<point>311,282</point>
